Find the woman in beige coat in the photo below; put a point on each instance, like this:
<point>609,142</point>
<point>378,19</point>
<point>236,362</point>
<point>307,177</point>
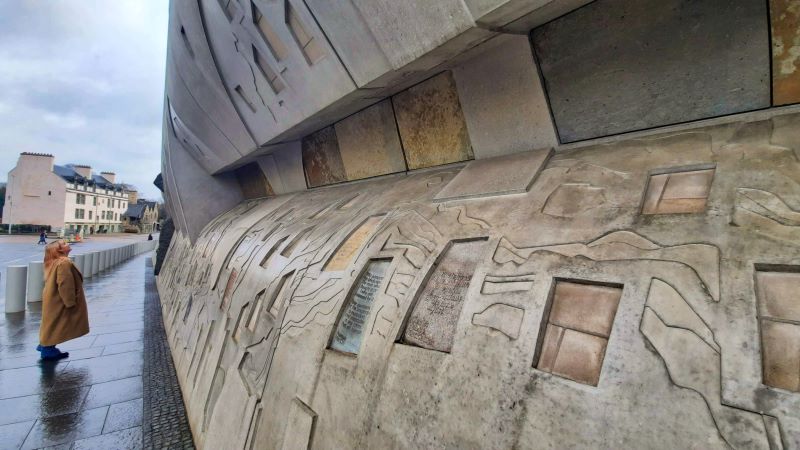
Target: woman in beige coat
<point>65,315</point>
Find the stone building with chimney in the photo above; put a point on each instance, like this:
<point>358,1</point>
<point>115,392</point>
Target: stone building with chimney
<point>70,198</point>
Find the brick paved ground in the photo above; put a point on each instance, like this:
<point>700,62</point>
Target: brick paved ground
<point>165,424</point>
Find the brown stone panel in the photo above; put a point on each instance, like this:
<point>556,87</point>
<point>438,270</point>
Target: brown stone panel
<point>580,357</point>
<point>785,25</point>
<point>369,144</point>
<point>253,182</point>
<point>433,321</point>
<point>780,344</point>
<point>585,307</point>
<point>677,193</point>
<point>347,251</point>
<point>778,295</point>
<point>322,161</point>
<point>431,123</point>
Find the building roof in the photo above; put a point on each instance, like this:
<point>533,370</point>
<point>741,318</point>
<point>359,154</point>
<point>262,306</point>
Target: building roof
<point>136,210</point>
<point>69,174</point>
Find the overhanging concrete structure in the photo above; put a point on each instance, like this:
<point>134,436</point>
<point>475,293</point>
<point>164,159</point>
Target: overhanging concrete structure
<point>477,223</point>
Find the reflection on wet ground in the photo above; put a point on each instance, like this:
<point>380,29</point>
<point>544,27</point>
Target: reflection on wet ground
<point>93,399</point>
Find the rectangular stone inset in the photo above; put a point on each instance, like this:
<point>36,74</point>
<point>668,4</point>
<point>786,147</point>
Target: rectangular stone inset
<point>345,253</point>
<point>350,328</point>
<point>369,143</point>
<point>778,294</point>
<point>785,23</point>
<point>678,192</point>
<point>577,328</point>
<point>651,63</point>
<point>322,161</point>
<point>432,323</point>
<point>431,123</point>
<point>509,174</point>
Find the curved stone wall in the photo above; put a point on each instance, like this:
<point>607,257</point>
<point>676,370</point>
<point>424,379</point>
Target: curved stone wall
<point>639,294</point>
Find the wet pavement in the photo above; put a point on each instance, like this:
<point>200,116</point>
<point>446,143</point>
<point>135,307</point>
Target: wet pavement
<point>94,398</point>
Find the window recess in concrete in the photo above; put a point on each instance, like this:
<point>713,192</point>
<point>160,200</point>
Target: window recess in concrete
<point>575,330</point>
<point>777,289</point>
<point>678,192</point>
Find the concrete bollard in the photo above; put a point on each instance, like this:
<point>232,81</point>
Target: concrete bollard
<point>35,281</point>
<point>80,260</point>
<point>16,279</point>
<point>95,263</point>
<point>103,260</point>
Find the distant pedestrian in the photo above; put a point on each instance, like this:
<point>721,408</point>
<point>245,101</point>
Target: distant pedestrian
<point>42,238</point>
<point>65,315</point>
<point>150,237</point>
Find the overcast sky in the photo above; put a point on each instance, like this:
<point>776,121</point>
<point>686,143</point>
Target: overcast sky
<point>84,80</point>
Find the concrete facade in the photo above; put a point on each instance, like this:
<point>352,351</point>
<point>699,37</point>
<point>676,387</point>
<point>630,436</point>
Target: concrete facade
<point>466,243</point>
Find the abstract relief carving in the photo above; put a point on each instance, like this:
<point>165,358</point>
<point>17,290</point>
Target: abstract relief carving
<point>766,213</point>
<point>701,259</point>
<point>501,317</point>
<point>692,358</point>
<point>678,192</point>
<point>350,328</point>
<point>345,253</point>
<point>778,295</point>
<point>576,331</point>
<point>433,320</point>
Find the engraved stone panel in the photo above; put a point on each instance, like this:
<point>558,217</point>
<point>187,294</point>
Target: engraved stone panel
<point>432,323</point>
<point>350,329</point>
<point>345,253</point>
<point>785,21</point>
<point>679,192</point>
<point>779,311</point>
<point>577,330</point>
<point>321,159</point>
<point>431,123</point>
<point>369,143</point>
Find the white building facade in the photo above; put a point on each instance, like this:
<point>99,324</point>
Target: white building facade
<point>69,198</point>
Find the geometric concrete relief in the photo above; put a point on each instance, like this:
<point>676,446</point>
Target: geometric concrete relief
<point>348,249</point>
<point>574,340</point>
<point>350,327</point>
<point>300,428</point>
<point>701,259</point>
<point>500,317</point>
<point>766,213</point>
<point>434,317</point>
<point>692,358</point>
<point>778,295</point>
<point>785,24</point>
<point>678,192</point>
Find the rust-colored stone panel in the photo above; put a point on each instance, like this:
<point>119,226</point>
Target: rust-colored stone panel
<point>785,26</point>
<point>580,357</point>
<point>322,161</point>
<point>347,251</point>
<point>584,307</point>
<point>369,143</point>
<point>431,123</point>
<point>253,182</point>
<point>780,347</point>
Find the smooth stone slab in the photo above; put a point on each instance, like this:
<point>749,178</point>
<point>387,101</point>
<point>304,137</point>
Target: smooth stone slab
<point>345,253</point>
<point>433,321</point>
<point>785,23</point>
<point>350,329</point>
<point>322,161</point>
<point>510,174</point>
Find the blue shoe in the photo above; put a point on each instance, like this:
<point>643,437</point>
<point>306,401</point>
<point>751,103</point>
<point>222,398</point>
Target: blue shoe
<point>51,353</point>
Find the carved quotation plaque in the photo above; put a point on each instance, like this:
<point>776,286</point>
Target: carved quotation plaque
<point>350,329</point>
<point>345,253</point>
<point>433,321</point>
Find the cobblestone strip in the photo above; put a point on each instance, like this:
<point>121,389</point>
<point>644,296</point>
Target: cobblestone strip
<point>165,425</point>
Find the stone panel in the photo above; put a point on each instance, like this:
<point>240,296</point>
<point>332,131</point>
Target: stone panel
<point>652,63</point>
<point>778,295</point>
<point>350,329</point>
<point>785,23</point>
<point>253,182</point>
<point>432,323</point>
<point>345,253</point>
<point>679,192</point>
<point>431,123</point>
<point>369,143</point>
<point>322,161</point>
<point>779,308</point>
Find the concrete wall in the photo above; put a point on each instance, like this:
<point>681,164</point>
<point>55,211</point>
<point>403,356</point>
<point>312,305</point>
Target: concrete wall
<point>372,315</point>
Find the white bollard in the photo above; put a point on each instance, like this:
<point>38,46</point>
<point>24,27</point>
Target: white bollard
<point>16,278</point>
<point>95,263</point>
<point>35,281</point>
<point>103,260</point>
<point>80,261</point>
